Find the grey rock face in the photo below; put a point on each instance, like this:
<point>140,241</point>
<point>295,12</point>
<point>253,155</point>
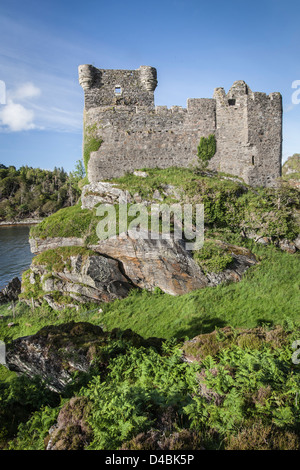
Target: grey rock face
<point>93,278</point>
<point>104,193</point>
<point>38,245</point>
<point>11,291</point>
<point>168,265</point>
<point>55,353</point>
<point>128,261</point>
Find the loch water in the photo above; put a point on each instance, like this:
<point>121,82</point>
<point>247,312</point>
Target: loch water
<point>15,254</point>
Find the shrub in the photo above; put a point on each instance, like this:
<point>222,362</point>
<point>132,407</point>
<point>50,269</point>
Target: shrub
<point>212,258</point>
<point>206,148</point>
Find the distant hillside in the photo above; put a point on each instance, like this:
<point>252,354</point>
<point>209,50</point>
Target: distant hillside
<point>291,168</point>
<point>34,193</point>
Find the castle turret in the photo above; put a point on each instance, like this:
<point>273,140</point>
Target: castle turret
<point>148,76</point>
<point>118,87</point>
<point>249,134</point>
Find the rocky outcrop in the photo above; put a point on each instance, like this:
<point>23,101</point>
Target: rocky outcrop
<point>83,278</point>
<point>109,193</point>
<point>11,292</point>
<point>38,245</point>
<point>152,263</point>
<point>55,353</point>
<point>168,265</point>
<point>104,193</point>
<point>114,266</point>
<point>242,259</point>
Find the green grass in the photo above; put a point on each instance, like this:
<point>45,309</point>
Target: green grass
<point>186,179</point>
<point>92,143</point>
<point>68,222</point>
<point>268,293</point>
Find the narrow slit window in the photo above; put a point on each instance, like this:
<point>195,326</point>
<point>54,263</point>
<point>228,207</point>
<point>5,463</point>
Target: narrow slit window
<point>252,160</point>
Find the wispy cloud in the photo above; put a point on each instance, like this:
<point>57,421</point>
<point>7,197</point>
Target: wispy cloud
<point>41,93</point>
<point>25,91</point>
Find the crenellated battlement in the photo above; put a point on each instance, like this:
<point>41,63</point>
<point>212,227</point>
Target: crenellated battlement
<point>120,108</point>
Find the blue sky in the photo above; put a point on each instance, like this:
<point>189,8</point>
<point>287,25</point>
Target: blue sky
<point>196,46</point>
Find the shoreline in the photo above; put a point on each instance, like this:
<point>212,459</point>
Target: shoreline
<point>12,223</point>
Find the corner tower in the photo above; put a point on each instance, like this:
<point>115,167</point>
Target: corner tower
<point>118,87</point>
<point>249,134</point>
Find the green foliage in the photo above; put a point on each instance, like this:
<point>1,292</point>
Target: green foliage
<point>154,392</point>
<point>91,143</point>
<point>68,222</point>
<point>32,192</point>
<point>31,435</point>
<point>19,398</point>
<point>228,204</point>
<point>291,168</point>
<point>206,148</point>
<point>140,385</point>
<point>212,258</point>
<point>56,259</point>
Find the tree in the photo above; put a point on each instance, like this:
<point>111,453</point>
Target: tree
<point>79,172</point>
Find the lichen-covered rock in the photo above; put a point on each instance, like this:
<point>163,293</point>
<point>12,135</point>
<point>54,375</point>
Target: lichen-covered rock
<point>150,263</point>
<point>168,265</point>
<point>104,193</point>
<point>57,351</point>
<point>242,259</point>
<point>84,277</point>
<point>11,292</point>
<point>112,267</point>
<point>287,246</point>
<point>38,245</point>
<point>210,344</point>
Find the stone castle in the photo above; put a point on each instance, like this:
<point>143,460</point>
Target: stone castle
<point>120,111</point>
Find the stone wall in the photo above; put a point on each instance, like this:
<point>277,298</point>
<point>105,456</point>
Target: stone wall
<point>119,108</point>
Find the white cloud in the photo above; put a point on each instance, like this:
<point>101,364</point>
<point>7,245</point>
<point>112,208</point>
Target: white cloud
<point>25,91</point>
<point>16,117</point>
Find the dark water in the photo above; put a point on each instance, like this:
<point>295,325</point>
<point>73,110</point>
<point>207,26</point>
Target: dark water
<point>15,254</point>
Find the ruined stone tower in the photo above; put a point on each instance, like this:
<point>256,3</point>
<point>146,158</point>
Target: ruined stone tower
<point>120,113</point>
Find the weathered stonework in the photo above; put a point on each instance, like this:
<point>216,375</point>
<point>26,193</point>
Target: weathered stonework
<point>119,108</point>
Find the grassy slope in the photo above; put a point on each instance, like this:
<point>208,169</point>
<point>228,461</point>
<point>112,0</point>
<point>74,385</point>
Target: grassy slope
<point>268,293</point>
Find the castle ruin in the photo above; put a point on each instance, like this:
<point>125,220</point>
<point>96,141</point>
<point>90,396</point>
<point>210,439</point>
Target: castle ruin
<point>119,110</point>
